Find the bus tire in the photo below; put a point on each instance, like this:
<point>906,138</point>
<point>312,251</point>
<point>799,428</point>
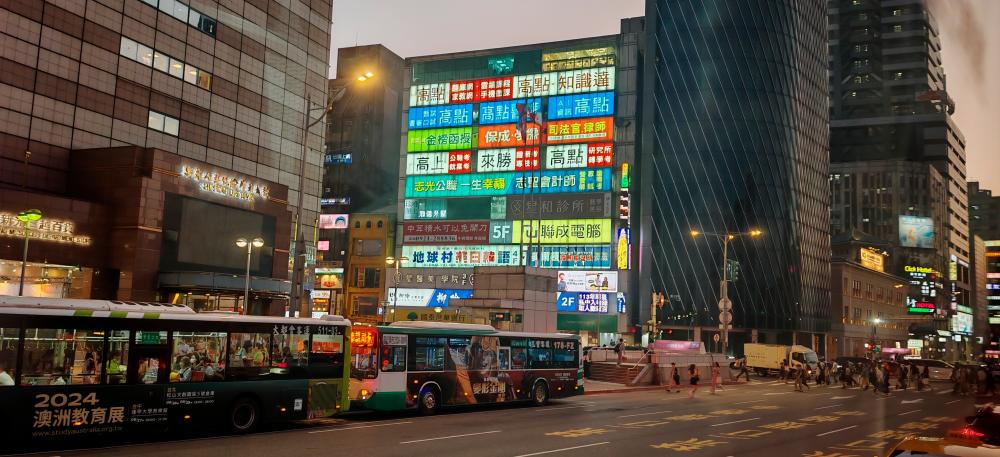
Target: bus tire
<point>430,401</point>
<point>539,393</point>
<point>244,415</point>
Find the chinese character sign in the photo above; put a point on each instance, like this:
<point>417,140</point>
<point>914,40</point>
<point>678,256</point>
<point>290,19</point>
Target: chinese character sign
<point>563,231</point>
<point>589,80</point>
<point>509,183</point>
<point>462,256</point>
<point>576,130</point>
<point>537,85</point>
<point>505,112</point>
<point>427,163</point>
<point>493,89</point>
<point>464,232</point>
<point>597,155</point>
<point>582,105</point>
<point>507,135</point>
<point>439,116</point>
<point>508,159</point>
<point>440,139</point>
<point>429,94</point>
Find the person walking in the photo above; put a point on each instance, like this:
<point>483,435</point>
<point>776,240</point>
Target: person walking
<point>716,377</point>
<point>885,379</point>
<point>845,375</point>
<point>801,379</point>
<point>903,373</point>
<point>675,377</point>
<point>915,377</point>
<point>743,370</point>
<point>866,376</point>
<point>695,376</point>
<point>620,350</point>
<point>783,371</point>
<point>831,374</point>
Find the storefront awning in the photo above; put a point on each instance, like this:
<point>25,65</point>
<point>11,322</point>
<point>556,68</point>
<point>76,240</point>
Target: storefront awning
<point>223,281</point>
<point>601,323</point>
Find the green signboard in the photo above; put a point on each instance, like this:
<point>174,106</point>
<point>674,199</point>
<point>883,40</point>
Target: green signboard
<point>602,323</point>
<point>440,139</point>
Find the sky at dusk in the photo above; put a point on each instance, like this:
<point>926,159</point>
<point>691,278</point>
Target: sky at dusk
<point>969,35</point>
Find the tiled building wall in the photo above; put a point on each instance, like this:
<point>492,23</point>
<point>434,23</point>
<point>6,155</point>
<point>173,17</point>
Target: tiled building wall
<point>71,79</point>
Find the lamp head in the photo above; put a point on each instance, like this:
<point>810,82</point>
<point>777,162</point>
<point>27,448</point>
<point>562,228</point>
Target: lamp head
<point>242,242</point>
<point>695,233</point>
<point>756,232</point>
<point>258,242</point>
<point>369,75</point>
<point>29,215</point>
<point>390,260</point>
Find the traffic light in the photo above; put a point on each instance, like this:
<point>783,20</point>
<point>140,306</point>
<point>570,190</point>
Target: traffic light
<point>868,346</point>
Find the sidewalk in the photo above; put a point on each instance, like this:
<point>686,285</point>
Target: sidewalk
<point>592,387</point>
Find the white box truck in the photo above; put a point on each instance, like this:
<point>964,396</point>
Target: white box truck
<point>765,358</point>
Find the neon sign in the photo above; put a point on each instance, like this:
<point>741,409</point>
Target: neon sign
<point>232,186</point>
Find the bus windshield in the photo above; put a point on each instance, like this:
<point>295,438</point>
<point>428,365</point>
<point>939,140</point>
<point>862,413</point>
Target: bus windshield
<point>364,353</point>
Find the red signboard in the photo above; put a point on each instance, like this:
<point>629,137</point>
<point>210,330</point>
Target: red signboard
<point>526,159</point>
<point>452,232</point>
<point>578,130</point>
<point>461,91</point>
<point>506,136</point>
<point>494,89</point>
<point>599,155</point>
<point>459,162</point>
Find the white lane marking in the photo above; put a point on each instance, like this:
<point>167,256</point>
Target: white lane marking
<point>775,393</point>
<point>942,392</point>
<point>837,430</point>
<point>953,401</point>
<point>563,407</point>
<point>909,412</point>
<point>842,398</point>
<point>564,449</point>
<point>448,437</point>
<point>735,422</point>
<point>644,414</point>
<point>746,402</point>
<point>831,406</point>
<point>361,426</point>
<point>904,402</point>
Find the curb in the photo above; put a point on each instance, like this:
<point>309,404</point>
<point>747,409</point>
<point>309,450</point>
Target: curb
<point>622,390</point>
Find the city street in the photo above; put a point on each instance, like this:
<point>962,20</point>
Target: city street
<point>760,419</point>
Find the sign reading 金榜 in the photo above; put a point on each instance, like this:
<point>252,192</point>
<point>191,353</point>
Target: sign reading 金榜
<point>228,185</point>
<point>446,139</point>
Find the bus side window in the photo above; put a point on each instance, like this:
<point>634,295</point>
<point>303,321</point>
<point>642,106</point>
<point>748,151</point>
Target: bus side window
<point>290,353</point>
<point>539,358</point>
<point>518,358</point>
<point>504,355</point>
<point>428,354</point>
<point>198,356</point>
<point>116,367</point>
<point>8,355</point>
<point>326,355</point>
<point>62,356</point>
<point>393,358</point>
<point>249,355</point>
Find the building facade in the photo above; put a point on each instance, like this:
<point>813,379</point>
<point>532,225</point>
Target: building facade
<point>734,138</point>
<point>984,216</point>
<point>209,100</point>
<point>866,301</point>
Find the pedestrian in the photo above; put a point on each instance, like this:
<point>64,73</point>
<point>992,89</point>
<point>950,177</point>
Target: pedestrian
<point>866,375</point>
<point>695,376</point>
<point>675,377</point>
<point>831,373</point>
<point>845,375</point>
<point>885,379</point>
<point>586,364</point>
<point>925,377</point>
<point>801,379</point>
<point>957,378</point>
<point>915,376</point>
<point>903,377</point>
<point>876,378</point>
<point>743,370</point>
<point>716,377</point>
<point>783,371</point>
<point>620,350</point>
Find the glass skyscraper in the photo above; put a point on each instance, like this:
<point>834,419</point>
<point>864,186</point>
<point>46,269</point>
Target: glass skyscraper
<point>735,137</point>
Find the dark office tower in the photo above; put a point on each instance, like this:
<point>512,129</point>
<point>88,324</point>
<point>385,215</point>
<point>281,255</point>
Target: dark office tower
<point>889,102</point>
<point>984,212</point>
<point>736,138</point>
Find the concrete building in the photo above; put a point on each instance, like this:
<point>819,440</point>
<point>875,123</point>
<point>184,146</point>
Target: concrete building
<point>370,239</point>
<point>984,212</point>
<point>984,215</point>
<point>208,101</point>
<point>869,304</point>
<point>889,101</point>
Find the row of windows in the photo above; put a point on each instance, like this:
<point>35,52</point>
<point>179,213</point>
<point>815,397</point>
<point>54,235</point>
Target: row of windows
<point>871,292</point>
<point>428,354</point>
<point>82,356</point>
<point>163,123</point>
<point>185,14</point>
<point>147,56</point>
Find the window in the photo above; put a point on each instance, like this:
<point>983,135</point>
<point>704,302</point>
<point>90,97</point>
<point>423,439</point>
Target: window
<point>129,48</point>
<point>897,28</point>
<point>176,68</point>
<point>114,368</point>
<point>564,354</point>
<point>368,248</point>
<point>151,368</point>
<point>539,358</point>
<point>197,356</point>
<point>8,355</point>
<point>326,354</point>
<point>163,123</point>
<point>857,313</point>
<point>428,354</point>
<point>204,80</point>
<point>856,289</point>
<point>190,74</point>
<point>290,352</point>
<point>161,62</point>
<point>847,312</point>
<point>249,355</point>
<point>62,356</point>
<point>393,358</point>
<point>144,55</point>
<point>155,121</point>
<point>367,277</point>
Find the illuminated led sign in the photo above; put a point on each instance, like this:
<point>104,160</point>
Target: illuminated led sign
<point>509,183</point>
<point>507,159</point>
<point>507,135</point>
<point>623,251</point>
<point>916,232</point>
<point>363,337</point>
<point>45,229</point>
<point>439,116</point>
<point>916,307</point>
<point>580,81</point>
<point>583,58</point>
<point>440,139</point>
<point>334,221</point>
<point>464,232</point>
<point>918,269</point>
<point>542,84</point>
<point>573,256</point>
<point>582,105</point>
<point>587,281</point>
<point>432,163</point>
<point>462,256</point>
<point>579,155</point>
<point>506,112</point>
<point>872,260</point>
<point>228,185</point>
<point>562,231</point>
<point>429,94</point>
<point>577,130</point>
<point>584,302</point>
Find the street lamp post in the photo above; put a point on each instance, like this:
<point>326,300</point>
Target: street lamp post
<point>243,243</point>
<point>26,217</point>
<point>395,262</point>
<point>725,305</point>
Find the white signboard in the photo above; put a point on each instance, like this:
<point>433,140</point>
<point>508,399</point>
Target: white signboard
<point>320,294</point>
<point>429,94</point>
<point>589,80</point>
<point>495,160</point>
<point>587,281</point>
<point>566,156</point>
<point>463,256</point>
<point>426,163</point>
<point>961,323</point>
<point>537,85</point>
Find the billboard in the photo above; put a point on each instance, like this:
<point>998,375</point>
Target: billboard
<point>872,260</point>
<point>623,249</point>
<point>916,232</point>
<point>581,58</point>
<point>462,256</point>
<point>575,257</point>
<point>583,302</point>
<point>540,84</point>
<point>589,80</point>
<point>562,231</point>
<point>425,298</point>
<point>455,208</point>
<point>582,105</point>
<point>920,307</point>
<point>493,89</point>
<point>559,206</point>
<point>961,323</point>
<point>579,130</point>
<point>464,232</point>
<point>508,159</point>
<point>334,221</point>
<point>509,183</point>
<point>587,281</point>
<point>594,155</point>
<point>440,139</point>
<point>429,94</point>
<point>507,136</point>
<point>439,116</point>
<point>505,112</point>
<point>432,163</point>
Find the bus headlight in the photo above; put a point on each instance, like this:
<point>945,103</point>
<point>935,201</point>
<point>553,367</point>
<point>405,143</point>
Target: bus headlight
<point>364,394</point>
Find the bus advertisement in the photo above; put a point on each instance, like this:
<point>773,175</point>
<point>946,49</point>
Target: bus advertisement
<point>426,365</point>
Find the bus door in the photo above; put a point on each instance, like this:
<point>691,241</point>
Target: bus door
<point>149,369</point>
<point>392,363</point>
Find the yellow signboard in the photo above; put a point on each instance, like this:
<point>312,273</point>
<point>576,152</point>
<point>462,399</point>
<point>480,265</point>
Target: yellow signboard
<point>872,260</point>
<point>563,231</point>
<point>582,58</point>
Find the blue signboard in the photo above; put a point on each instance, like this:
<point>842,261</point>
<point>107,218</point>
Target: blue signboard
<point>566,301</point>
<point>440,116</point>
<point>505,112</point>
<point>509,183</point>
<point>582,105</point>
<point>584,302</point>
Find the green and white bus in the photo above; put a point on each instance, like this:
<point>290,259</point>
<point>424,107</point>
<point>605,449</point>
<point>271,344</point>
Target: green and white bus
<point>78,369</point>
<point>426,365</point>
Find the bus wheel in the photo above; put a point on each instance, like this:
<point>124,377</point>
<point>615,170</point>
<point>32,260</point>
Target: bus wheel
<point>540,394</point>
<point>429,402</point>
<point>244,415</point>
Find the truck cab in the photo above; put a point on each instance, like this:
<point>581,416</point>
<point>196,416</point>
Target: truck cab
<point>799,356</point>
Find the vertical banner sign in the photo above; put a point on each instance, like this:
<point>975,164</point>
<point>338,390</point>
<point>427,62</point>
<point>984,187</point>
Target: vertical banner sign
<point>508,159</point>
<point>623,249</point>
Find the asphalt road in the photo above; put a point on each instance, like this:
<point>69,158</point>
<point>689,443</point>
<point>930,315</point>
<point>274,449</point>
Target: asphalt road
<point>761,419</point>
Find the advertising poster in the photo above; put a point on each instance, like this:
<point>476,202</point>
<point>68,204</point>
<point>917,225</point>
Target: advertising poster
<point>505,112</point>
<point>582,105</point>
<point>439,116</point>
<point>462,256</point>
<point>429,94</point>
<point>587,281</point>
<point>559,206</point>
<point>577,130</point>
<point>582,302</point>
<point>916,232</point>
<point>961,323</point>
<point>426,298</point>
<point>464,232</point>
<point>563,231</point>
<point>507,136</point>
<point>440,139</point>
<point>575,257</point>
<point>333,221</point>
<point>623,249</point>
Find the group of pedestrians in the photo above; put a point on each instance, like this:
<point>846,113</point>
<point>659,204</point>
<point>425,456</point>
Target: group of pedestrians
<point>694,377</point>
<point>974,380</point>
